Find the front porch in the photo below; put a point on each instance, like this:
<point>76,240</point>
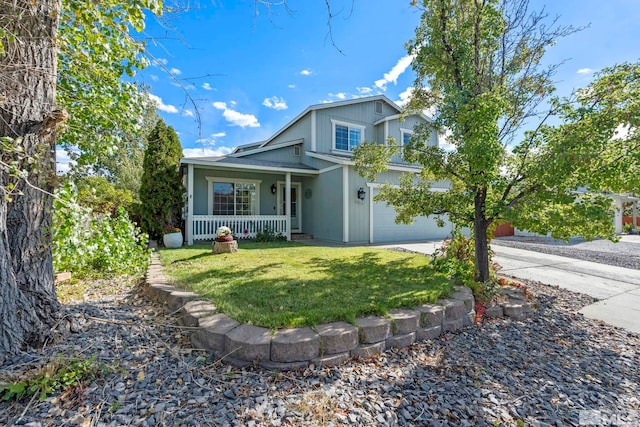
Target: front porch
<point>242,226</point>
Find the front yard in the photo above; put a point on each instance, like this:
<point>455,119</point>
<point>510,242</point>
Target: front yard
<point>288,284</point>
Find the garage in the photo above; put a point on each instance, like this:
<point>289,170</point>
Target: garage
<point>385,229</point>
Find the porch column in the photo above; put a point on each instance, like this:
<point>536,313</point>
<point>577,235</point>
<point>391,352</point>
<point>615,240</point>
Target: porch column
<point>345,203</point>
<point>287,192</point>
<point>190,205</point>
<point>617,219</point>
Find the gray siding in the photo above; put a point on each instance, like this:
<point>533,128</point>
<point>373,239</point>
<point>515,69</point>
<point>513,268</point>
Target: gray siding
<point>325,216</point>
<point>284,154</point>
<point>357,114</point>
<point>358,209</point>
<point>300,129</point>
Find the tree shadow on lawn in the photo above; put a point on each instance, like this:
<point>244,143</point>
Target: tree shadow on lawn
<point>317,290</point>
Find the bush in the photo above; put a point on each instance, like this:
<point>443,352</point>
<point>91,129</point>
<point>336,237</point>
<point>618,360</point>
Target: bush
<point>90,244</point>
<point>267,234</point>
<point>456,259</point>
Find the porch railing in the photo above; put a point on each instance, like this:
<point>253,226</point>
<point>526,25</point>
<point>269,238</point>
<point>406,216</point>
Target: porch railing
<point>243,227</point>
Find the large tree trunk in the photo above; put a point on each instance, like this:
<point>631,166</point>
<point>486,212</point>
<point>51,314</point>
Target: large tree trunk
<point>29,309</point>
<point>480,226</point>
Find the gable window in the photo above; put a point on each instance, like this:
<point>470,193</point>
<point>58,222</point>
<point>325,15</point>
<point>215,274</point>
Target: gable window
<point>346,136</point>
<point>233,197</point>
<point>378,107</point>
<point>296,150</point>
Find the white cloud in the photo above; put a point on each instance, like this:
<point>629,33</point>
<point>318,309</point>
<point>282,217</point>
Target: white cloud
<point>291,86</point>
<point>167,108</point>
<point>159,61</point>
<point>63,161</point>
<point>206,86</point>
<point>275,103</point>
<point>236,118</point>
<point>585,71</point>
<point>212,139</point>
<point>404,97</point>
<point>154,77</point>
<point>175,71</point>
<point>392,76</point>
<point>306,72</point>
<point>187,113</point>
<point>339,95</point>
<point>364,90</point>
<point>206,152</point>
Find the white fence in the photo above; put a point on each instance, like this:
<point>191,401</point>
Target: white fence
<point>242,226</point>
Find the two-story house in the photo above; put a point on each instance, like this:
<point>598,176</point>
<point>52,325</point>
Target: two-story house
<point>302,180</point>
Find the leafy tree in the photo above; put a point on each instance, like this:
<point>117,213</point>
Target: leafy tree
<point>101,196</point>
<point>29,46</point>
<point>161,189</point>
<point>478,66</point>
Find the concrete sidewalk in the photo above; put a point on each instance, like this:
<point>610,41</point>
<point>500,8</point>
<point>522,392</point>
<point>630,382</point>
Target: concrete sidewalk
<point>616,288</point>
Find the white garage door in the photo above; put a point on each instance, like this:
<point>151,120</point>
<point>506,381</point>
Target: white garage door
<point>385,228</point>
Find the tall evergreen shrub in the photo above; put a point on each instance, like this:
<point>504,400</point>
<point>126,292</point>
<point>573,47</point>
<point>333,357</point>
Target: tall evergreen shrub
<point>161,189</point>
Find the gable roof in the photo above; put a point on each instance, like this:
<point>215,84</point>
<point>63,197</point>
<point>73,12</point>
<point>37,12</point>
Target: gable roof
<point>246,149</point>
<point>226,162</point>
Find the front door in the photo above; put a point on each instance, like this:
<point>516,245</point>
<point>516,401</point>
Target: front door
<point>296,190</point>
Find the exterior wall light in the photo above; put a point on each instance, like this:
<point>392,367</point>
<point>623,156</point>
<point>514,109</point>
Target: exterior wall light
<point>273,189</point>
<point>361,193</point>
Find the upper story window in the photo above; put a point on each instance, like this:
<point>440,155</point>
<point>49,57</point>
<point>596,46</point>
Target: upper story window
<point>346,136</point>
<point>405,136</point>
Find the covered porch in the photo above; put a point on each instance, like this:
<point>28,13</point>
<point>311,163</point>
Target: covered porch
<point>247,196</point>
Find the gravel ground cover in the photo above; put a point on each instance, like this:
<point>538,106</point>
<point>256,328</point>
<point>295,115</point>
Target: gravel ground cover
<point>542,371</point>
<point>622,254</point>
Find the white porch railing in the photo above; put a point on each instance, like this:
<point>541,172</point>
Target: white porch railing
<point>243,226</point>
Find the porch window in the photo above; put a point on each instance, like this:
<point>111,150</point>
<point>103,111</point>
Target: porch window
<point>346,136</point>
<point>233,197</point>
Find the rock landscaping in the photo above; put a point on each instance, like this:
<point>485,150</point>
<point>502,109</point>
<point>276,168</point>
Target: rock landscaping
<point>329,344</point>
<point>550,369</point>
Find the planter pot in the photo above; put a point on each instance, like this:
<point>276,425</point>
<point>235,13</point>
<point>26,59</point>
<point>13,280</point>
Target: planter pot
<point>227,238</point>
<point>172,240</point>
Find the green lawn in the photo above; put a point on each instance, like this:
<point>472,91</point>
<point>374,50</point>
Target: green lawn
<point>287,284</point>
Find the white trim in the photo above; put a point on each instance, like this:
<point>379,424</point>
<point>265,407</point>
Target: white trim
<point>189,205</point>
<point>313,130</point>
<point>330,168</point>
<point>349,126</point>
<point>348,162</point>
<point>212,179</point>
<point>345,203</point>
<point>298,185</point>
<point>342,152</point>
<point>275,169</point>
<point>386,133</point>
<point>399,117</point>
<point>287,186</point>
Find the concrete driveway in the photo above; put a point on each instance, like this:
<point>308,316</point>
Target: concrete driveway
<point>616,288</point>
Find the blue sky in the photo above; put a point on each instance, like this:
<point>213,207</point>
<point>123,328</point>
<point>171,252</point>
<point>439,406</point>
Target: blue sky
<point>248,73</point>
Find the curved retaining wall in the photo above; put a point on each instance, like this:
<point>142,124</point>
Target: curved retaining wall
<point>327,344</point>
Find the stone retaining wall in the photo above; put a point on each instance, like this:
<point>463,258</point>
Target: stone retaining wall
<point>327,344</point>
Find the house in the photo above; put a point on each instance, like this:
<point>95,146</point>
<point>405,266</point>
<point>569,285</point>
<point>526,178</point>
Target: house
<point>302,180</point>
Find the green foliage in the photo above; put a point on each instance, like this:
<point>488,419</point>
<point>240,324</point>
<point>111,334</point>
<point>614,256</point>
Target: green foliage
<point>478,66</point>
<point>101,196</point>
<point>161,189</point>
<point>97,50</point>
<point>57,375</point>
<point>90,244</point>
<point>267,234</point>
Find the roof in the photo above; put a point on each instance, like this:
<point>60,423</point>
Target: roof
<point>252,164</point>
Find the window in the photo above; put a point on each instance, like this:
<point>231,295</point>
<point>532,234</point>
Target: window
<point>347,136</point>
<point>378,107</point>
<point>233,197</point>
<point>296,150</point>
<point>405,136</point>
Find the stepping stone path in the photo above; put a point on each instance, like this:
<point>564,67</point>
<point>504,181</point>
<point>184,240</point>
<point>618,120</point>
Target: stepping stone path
<point>328,344</point>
